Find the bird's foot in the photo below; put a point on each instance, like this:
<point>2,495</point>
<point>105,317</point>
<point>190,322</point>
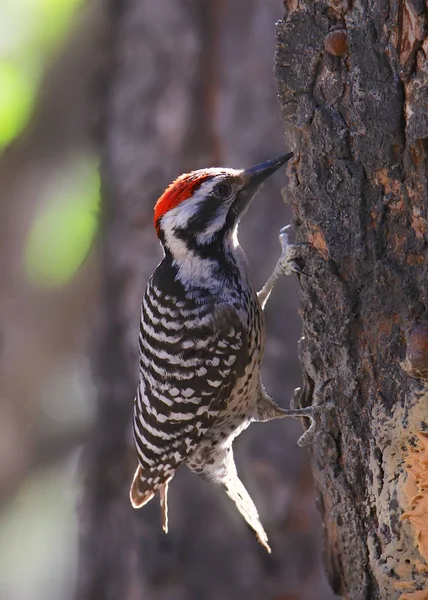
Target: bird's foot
<point>316,427</point>
<point>318,414</point>
<point>286,263</point>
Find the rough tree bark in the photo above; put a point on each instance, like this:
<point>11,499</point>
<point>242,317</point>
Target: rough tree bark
<point>353,83</point>
<point>192,86</point>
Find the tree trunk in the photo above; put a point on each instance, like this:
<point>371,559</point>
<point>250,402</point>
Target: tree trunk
<point>191,89</point>
<point>353,84</point>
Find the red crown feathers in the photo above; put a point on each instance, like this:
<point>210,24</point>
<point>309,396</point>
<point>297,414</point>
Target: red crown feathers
<point>179,190</point>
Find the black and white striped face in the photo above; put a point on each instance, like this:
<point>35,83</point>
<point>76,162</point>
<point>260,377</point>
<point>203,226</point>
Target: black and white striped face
<point>208,214</point>
<point>202,209</point>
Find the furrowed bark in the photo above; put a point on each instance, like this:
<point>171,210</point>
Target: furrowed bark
<point>353,88</point>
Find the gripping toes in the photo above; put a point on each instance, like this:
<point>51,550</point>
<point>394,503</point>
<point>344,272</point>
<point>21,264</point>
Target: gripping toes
<point>283,237</point>
<point>285,265</point>
<point>287,261</point>
<point>314,413</point>
<point>319,416</point>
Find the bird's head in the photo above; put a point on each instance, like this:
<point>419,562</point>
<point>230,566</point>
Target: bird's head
<point>204,207</point>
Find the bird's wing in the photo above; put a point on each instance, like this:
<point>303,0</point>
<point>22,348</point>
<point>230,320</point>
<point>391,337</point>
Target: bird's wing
<point>185,382</point>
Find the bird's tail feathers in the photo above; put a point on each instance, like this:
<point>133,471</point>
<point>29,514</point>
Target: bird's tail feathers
<point>141,493</point>
<point>236,491</point>
<point>164,505</point>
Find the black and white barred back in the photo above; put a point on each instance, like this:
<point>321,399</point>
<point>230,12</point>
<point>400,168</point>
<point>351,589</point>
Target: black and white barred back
<point>196,343</point>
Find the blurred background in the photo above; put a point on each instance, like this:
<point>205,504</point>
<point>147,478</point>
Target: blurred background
<point>102,104</point>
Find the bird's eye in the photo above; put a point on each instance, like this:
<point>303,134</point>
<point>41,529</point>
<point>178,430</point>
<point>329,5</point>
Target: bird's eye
<point>223,190</point>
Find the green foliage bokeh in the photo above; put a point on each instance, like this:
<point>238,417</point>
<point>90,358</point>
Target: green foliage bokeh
<point>30,30</point>
<point>62,233</point>
<point>66,222</point>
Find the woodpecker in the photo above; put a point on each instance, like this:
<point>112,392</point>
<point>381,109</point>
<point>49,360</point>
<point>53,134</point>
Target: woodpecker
<point>202,338</point>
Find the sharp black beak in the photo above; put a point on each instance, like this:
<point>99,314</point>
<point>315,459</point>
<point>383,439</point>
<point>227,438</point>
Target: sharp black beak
<point>252,180</point>
<point>256,175</point>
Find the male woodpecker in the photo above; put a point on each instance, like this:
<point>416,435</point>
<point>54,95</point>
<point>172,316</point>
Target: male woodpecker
<point>202,338</point>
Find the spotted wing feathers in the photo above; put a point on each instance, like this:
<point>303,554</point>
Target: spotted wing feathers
<point>190,359</point>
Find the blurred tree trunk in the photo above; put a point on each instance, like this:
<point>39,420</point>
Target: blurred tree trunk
<point>353,82</point>
<point>192,86</point>
<point>43,329</point>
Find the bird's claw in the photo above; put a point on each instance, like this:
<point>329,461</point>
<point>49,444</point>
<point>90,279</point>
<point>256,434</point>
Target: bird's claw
<point>283,238</point>
<point>285,265</point>
<point>308,438</point>
<point>287,261</point>
<point>318,414</point>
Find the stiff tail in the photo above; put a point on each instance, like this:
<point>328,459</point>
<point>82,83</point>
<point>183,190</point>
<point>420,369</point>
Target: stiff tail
<point>164,506</point>
<point>140,494</point>
<point>237,492</point>
<point>222,470</point>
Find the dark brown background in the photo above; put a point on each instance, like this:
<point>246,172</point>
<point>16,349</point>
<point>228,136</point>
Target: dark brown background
<point>155,89</point>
